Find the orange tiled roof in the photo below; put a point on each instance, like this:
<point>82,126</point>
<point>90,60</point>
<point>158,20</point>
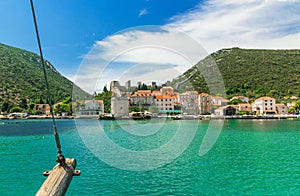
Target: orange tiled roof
<point>143,91</point>
<point>265,98</point>
<point>164,97</point>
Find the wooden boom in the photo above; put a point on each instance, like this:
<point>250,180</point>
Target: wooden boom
<point>59,179</point>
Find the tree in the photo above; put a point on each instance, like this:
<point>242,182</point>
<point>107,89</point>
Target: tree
<point>31,105</point>
<point>236,102</point>
<point>67,100</point>
<point>297,106</point>
<point>15,109</point>
<point>273,93</point>
<point>23,104</point>
<point>105,89</point>
<point>134,109</point>
<point>106,97</point>
<point>6,106</point>
<point>41,101</point>
<point>144,87</point>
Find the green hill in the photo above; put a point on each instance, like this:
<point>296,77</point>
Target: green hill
<point>22,79</point>
<point>252,72</point>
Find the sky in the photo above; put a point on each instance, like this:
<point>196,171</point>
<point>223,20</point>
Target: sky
<point>93,42</point>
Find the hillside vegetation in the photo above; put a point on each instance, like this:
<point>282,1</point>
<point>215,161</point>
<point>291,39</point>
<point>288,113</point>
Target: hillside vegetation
<point>252,72</point>
<point>22,80</point>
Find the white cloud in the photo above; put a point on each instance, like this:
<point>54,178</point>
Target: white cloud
<point>250,24</point>
<point>216,24</point>
<point>143,12</point>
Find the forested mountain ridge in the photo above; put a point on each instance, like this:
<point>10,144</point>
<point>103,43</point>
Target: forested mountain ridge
<point>252,72</point>
<point>22,79</point>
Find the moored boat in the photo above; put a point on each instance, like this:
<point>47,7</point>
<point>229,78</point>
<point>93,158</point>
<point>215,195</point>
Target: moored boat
<point>140,115</point>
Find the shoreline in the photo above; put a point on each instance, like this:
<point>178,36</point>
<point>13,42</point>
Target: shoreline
<point>206,117</point>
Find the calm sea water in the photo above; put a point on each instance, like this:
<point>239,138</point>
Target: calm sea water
<point>253,157</point>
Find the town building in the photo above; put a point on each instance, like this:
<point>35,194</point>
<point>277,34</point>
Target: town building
<point>91,109</point>
<point>164,103</point>
<point>128,85</point>
<point>291,104</point>
<point>166,90</point>
<point>189,102</point>
<point>156,92</point>
<point>241,98</point>
<point>281,108</point>
<point>219,101</point>
<point>142,99</point>
<point>228,110</point>
<point>119,106</point>
<point>119,101</point>
<point>264,105</point>
<point>45,108</point>
<point>245,107</point>
<point>205,103</point>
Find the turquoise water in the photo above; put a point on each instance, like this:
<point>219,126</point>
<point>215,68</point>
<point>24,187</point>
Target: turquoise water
<point>252,157</point>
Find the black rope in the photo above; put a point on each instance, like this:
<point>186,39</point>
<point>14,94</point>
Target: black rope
<point>60,157</point>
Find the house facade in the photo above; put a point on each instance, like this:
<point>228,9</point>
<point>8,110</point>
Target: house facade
<point>219,101</point>
<point>245,107</point>
<point>264,106</point>
<point>164,103</point>
<point>142,99</point>
<point>45,108</point>
<point>205,103</point>
<point>241,98</point>
<point>189,102</point>
<point>228,110</point>
<point>91,109</point>
<point>119,106</point>
<point>281,108</point>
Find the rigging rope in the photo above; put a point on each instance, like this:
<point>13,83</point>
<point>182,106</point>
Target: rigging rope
<point>60,157</point>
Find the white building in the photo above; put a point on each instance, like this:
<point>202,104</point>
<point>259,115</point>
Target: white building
<point>264,105</point>
<point>91,109</point>
<point>219,101</point>
<point>119,106</point>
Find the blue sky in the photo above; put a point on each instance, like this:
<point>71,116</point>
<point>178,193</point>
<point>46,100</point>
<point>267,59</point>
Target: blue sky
<point>71,29</point>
